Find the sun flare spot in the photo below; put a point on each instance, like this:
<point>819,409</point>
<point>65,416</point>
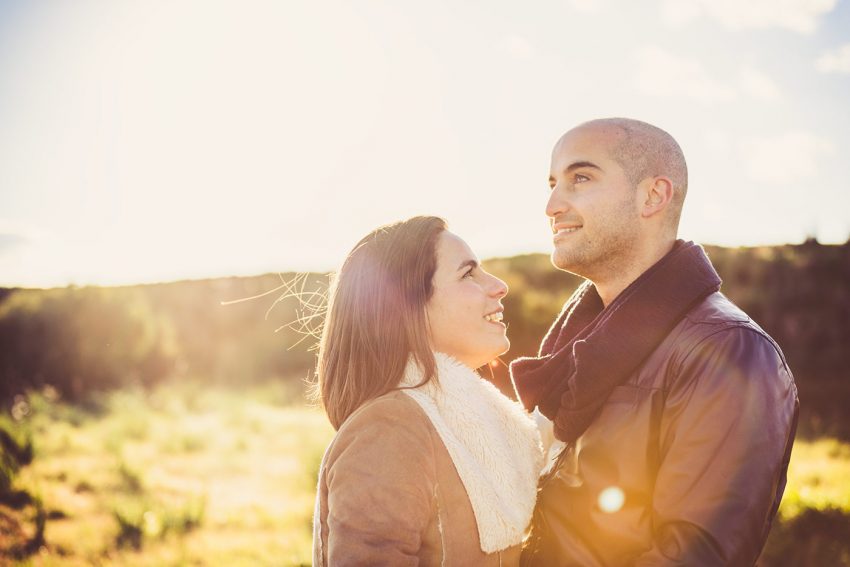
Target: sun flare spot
<point>611,499</point>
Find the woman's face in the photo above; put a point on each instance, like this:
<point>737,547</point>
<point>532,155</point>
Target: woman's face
<point>465,310</point>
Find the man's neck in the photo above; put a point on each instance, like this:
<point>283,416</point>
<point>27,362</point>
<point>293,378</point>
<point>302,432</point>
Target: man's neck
<point>611,286</point>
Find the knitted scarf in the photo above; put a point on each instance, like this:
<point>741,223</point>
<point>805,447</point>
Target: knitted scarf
<point>591,349</point>
<point>493,443</point>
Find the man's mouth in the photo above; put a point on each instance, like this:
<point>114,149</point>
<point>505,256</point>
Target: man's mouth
<point>559,229</point>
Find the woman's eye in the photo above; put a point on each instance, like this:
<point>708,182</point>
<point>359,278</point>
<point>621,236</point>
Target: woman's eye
<point>468,274</point>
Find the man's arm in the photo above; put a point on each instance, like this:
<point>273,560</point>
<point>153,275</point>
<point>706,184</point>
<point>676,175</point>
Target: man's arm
<point>725,442</point>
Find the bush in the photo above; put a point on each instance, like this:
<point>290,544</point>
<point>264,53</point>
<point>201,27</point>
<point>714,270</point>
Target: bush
<point>84,340</point>
<point>814,537</point>
<point>143,519</point>
<point>16,450</point>
<point>81,340</point>
<point>22,515</point>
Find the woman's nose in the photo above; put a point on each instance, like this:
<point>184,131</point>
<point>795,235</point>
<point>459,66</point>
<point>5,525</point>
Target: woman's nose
<point>498,288</point>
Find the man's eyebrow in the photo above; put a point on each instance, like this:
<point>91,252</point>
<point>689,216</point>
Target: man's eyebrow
<point>577,165</point>
<point>580,164</point>
<point>465,263</point>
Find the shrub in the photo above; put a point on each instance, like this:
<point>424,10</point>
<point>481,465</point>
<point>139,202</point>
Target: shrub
<point>814,537</point>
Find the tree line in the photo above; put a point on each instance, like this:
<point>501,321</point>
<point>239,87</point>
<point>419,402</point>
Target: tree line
<point>84,340</point>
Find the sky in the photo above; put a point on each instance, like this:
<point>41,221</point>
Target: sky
<point>152,141</point>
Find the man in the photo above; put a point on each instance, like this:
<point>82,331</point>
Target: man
<point>676,411</point>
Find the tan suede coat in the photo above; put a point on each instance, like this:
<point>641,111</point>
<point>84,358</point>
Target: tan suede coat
<point>389,494</point>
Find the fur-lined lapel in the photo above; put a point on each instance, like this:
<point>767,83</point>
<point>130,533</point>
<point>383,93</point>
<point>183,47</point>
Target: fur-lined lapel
<point>493,443</point>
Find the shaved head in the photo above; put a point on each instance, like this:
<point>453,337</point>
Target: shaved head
<point>644,150</point>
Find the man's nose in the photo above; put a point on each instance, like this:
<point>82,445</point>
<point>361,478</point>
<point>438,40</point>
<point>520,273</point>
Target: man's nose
<point>557,203</point>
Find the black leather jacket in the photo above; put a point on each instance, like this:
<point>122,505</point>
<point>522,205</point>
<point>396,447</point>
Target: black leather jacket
<point>696,443</point>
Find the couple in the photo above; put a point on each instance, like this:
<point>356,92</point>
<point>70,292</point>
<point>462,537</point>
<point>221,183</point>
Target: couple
<point>674,413</point>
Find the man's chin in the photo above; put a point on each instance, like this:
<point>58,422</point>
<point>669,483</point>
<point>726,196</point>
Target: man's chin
<point>570,265</point>
<point>563,261</point>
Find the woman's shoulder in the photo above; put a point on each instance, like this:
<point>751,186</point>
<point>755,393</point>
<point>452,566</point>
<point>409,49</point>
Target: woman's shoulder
<point>391,426</point>
<point>391,408</point>
<point>391,419</point>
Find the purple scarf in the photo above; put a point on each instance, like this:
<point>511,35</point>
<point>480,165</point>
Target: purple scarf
<point>590,350</point>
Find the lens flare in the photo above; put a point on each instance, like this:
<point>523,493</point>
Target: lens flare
<point>611,499</point>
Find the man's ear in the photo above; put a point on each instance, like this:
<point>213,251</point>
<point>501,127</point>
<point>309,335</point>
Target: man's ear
<point>658,192</point>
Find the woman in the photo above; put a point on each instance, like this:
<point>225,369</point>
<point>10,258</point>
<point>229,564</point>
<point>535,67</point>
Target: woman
<point>431,464</point>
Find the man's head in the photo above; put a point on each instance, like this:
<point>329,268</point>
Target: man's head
<point>618,186</point>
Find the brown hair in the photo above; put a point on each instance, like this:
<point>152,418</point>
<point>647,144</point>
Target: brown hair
<point>376,315</point>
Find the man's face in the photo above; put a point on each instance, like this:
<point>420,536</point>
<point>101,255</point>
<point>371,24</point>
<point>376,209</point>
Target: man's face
<point>593,208</point>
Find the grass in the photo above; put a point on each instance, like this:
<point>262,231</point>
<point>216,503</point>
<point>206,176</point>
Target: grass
<point>813,527</point>
<point>189,475</point>
<point>818,478</point>
<point>182,476</point>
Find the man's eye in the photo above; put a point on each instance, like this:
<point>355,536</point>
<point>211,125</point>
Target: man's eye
<point>579,178</point>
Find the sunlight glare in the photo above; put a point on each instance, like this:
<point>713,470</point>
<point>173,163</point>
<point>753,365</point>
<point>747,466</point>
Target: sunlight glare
<point>611,499</point>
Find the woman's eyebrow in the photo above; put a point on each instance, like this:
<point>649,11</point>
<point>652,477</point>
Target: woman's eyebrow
<point>466,263</point>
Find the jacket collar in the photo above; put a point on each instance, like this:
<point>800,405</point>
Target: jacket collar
<point>590,350</point>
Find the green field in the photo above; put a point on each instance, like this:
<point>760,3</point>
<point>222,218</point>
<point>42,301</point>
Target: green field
<point>185,476</point>
<point>188,475</point>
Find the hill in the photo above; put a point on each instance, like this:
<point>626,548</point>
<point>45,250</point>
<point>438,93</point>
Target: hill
<point>84,340</point>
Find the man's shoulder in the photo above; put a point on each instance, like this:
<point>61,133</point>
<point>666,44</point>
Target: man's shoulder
<point>714,314</point>
<point>715,309</point>
<point>713,320</point>
<point>714,341</point>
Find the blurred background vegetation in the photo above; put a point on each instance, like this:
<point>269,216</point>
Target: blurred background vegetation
<point>152,425</point>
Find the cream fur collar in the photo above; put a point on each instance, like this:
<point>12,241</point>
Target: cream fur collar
<point>493,443</point>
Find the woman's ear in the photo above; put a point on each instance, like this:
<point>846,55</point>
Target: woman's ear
<point>659,193</point>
